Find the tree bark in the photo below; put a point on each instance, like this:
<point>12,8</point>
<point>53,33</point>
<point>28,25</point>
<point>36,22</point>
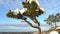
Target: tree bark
<point>30,24</point>
<point>39,30</point>
<point>55,25</point>
<point>51,26</point>
<point>36,21</point>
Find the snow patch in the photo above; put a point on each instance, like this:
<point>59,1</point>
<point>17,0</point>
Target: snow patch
<point>53,32</point>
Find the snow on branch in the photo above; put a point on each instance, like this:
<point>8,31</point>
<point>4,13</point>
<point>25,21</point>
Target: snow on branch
<point>19,10</point>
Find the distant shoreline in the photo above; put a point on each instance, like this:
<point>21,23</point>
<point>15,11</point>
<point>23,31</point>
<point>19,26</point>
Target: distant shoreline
<point>16,32</point>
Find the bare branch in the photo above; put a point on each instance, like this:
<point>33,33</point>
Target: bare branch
<point>30,24</point>
<point>35,21</point>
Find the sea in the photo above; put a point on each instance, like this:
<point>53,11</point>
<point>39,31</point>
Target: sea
<point>20,28</point>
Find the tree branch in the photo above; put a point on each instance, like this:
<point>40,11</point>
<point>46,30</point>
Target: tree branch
<point>30,24</point>
<point>35,20</point>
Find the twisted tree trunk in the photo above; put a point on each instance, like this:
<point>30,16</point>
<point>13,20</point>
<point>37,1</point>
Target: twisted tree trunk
<point>36,21</point>
<point>39,30</point>
<point>55,25</point>
<point>51,26</point>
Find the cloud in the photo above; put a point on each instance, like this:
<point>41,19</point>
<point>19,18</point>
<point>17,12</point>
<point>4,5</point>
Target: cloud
<point>12,3</point>
<point>18,2</point>
<point>1,1</point>
<point>15,25</point>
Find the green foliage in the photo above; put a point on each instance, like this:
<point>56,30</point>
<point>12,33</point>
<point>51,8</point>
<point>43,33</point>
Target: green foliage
<point>32,11</point>
<point>53,19</point>
<point>57,16</point>
<point>27,5</point>
<point>50,20</point>
<point>59,32</point>
<point>11,15</point>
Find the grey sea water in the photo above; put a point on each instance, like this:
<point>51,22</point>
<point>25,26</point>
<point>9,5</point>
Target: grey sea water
<point>20,29</point>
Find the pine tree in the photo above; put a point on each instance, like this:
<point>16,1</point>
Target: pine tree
<point>32,12</point>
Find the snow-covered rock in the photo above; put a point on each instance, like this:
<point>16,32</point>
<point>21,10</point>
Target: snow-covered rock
<point>35,33</point>
<point>53,32</point>
<point>58,28</point>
